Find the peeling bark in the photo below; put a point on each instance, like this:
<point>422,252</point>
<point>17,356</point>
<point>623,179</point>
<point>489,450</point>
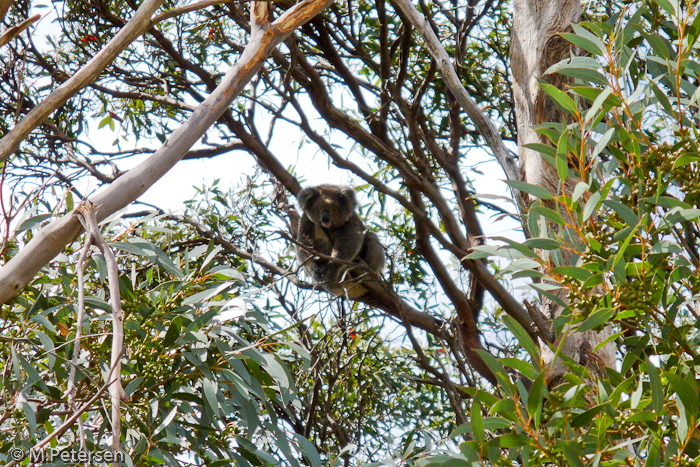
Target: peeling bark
<point>535,46</point>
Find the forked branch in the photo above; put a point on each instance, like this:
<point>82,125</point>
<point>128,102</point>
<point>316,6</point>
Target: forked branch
<point>86,213</point>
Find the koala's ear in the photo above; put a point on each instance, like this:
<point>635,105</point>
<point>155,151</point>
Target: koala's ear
<point>347,196</point>
<point>306,195</point>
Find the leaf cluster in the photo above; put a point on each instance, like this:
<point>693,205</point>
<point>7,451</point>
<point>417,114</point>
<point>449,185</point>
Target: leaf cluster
<point>615,245</point>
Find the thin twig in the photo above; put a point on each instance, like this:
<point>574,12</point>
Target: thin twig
<point>70,390</point>
<point>173,12</point>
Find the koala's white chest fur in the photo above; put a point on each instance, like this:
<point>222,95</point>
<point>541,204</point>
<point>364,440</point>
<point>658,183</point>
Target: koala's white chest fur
<point>323,242</point>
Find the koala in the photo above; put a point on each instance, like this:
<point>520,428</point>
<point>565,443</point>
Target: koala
<point>330,225</point>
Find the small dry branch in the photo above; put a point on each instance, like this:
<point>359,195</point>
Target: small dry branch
<point>87,217</point>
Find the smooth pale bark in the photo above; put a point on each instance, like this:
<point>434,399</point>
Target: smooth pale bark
<point>15,31</point>
<point>535,46</point>
<point>114,378</point>
<point>51,240</point>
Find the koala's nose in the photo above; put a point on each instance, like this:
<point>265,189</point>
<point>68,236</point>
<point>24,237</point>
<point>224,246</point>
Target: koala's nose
<point>325,218</point>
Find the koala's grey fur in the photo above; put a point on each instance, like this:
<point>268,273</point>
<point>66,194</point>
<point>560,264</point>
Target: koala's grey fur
<point>330,225</point>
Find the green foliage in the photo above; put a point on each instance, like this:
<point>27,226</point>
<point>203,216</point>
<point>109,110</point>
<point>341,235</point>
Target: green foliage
<point>353,389</point>
<point>303,378</point>
<point>274,385</point>
<point>357,402</point>
<point>624,249</point>
<point>201,384</point>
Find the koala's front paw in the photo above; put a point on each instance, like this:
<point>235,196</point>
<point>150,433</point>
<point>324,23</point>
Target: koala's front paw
<point>323,271</point>
<point>335,272</point>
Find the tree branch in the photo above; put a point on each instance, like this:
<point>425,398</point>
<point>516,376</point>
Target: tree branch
<point>444,64</point>
<point>13,32</point>
<point>70,387</point>
<point>50,240</point>
<point>86,215</point>
<point>87,74</point>
<point>173,12</point>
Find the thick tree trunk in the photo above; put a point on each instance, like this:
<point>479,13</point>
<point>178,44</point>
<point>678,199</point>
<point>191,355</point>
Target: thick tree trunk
<point>535,46</point>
